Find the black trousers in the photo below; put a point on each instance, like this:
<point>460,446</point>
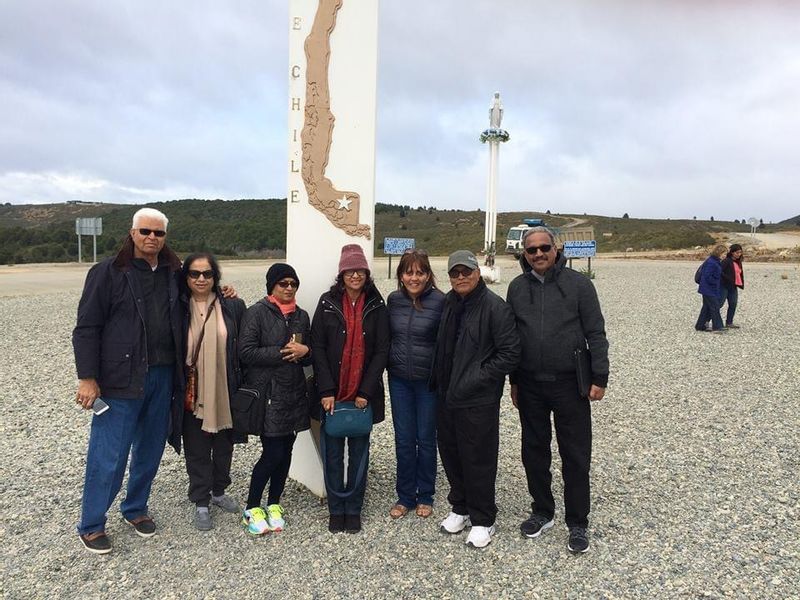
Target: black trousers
<point>273,467</point>
<point>573,422</point>
<point>469,442</point>
<point>208,460</point>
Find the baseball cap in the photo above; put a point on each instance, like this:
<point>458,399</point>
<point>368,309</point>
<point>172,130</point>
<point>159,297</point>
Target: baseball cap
<point>464,258</point>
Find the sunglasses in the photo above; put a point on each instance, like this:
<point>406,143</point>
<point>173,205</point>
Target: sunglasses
<point>287,284</point>
<point>156,232</point>
<point>545,248</point>
<point>456,273</point>
<point>193,274</point>
<point>356,273</point>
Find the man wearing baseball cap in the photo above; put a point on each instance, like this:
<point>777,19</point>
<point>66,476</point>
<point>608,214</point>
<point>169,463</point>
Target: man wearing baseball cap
<point>476,347</point>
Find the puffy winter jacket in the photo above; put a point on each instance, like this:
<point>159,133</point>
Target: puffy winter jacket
<point>281,383</point>
<point>413,333</point>
<point>710,277</point>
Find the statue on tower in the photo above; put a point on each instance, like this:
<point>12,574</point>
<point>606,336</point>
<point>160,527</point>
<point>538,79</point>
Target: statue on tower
<point>496,112</point>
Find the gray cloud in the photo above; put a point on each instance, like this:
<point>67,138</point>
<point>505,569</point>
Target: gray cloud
<point>658,108</point>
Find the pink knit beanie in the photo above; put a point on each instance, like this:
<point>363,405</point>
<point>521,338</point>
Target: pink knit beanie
<point>352,258</point>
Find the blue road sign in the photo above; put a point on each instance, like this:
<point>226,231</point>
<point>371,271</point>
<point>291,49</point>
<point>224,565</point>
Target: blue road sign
<point>397,245</point>
<point>580,249</point>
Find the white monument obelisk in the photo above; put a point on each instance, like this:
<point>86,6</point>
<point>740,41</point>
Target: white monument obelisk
<point>333,61</point>
<point>494,135</point>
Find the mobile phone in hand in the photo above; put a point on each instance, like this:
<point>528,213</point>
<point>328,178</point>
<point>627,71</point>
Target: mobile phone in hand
<point>99,407</point>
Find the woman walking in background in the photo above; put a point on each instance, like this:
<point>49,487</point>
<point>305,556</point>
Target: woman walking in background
<point>732,282</point>
<point>212,326</point>
<point>710,277</point>
<point>415,310</point>
<point>350,337</point>
<point>273,349</point>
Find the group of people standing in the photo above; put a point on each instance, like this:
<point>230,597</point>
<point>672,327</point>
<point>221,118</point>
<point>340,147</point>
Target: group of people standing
<point>167,347</point>
<point>719,280</point>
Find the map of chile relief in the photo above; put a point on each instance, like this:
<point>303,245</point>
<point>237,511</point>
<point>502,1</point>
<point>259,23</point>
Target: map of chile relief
<point>340,207</point>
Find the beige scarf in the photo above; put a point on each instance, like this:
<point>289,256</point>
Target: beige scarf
<point>213,404</point>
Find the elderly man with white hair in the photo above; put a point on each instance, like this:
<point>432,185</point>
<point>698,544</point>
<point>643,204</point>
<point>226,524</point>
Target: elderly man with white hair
<point>127,345</point>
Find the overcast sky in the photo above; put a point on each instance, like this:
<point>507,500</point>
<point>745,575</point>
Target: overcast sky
<point>674,108</point>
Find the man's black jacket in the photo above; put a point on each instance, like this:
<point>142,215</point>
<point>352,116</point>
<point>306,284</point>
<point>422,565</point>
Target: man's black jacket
<point>487,350</point>
<point>109,339</point>
<point>554,319</point>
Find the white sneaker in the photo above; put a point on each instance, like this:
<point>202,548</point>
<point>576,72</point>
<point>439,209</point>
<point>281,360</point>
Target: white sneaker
<point>480,537</point>
<point>455,523</point>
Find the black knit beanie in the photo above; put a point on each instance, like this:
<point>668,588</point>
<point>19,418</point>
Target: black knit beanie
<point>277,272</point>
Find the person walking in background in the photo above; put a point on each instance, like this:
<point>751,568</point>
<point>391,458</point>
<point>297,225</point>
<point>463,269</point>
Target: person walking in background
<point>415,310</point>
<point>273,348</point>
<point>350,338</point>
<point>127,344</point>
<point>212,330</point>
<point>709,288</point>
<point>564,365</point>
<point>476,346</point>
<point>732,282</point>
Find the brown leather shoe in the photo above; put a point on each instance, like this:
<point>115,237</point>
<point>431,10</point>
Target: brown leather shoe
<point>96,542</point>
<point>424,510</point>
<point>144,526</point>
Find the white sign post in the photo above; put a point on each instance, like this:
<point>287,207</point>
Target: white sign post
<point>333,60</point>
<point>92,226</point>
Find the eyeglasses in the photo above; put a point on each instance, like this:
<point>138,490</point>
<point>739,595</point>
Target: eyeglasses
<point>457,273</point>
<point>144,231</point>
<point>545,248</point>
<point>355,273</point>
<point>287,284</point>
<point>193,274</point>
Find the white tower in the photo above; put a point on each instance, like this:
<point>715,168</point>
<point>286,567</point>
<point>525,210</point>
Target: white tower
<point>494,135</point>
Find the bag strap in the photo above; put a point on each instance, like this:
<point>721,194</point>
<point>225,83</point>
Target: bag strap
<point>196,353</point>
<point>362,467</point>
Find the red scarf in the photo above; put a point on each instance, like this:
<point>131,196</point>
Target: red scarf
<point>353,353</point>
<point>286,309</point>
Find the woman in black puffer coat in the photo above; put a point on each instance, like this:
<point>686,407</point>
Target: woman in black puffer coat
<point>273,351</point>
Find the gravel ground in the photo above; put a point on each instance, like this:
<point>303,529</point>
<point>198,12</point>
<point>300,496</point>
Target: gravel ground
<point>694,479</point>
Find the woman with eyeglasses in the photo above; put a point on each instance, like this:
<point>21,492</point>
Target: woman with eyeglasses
<point>350,337</point>
<point>273,349</point>
<point>415,310</point>
<point>212,329</point>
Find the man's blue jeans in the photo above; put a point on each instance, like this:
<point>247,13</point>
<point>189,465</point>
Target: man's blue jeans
<point>137,427</point>
<point>731,294</point>
<point>414,418</point>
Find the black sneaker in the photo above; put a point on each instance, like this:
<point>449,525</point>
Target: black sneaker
<point>144,526</point>
<point>535,525</point>
<point>578,539</point>
<point>336,523</point>
<point>96,542</point>
<point>352,523</point>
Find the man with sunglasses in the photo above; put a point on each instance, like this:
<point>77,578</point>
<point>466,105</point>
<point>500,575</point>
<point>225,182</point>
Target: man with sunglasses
<point>558,317</point>
<point>127,345</point>
<point>476,346</point>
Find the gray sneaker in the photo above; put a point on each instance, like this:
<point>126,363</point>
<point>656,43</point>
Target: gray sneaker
<point>202,518</point>
<point>226,503</point>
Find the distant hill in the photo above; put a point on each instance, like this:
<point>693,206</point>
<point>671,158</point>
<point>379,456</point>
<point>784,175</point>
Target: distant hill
<point>257,228</point>
<point>792,222</point>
